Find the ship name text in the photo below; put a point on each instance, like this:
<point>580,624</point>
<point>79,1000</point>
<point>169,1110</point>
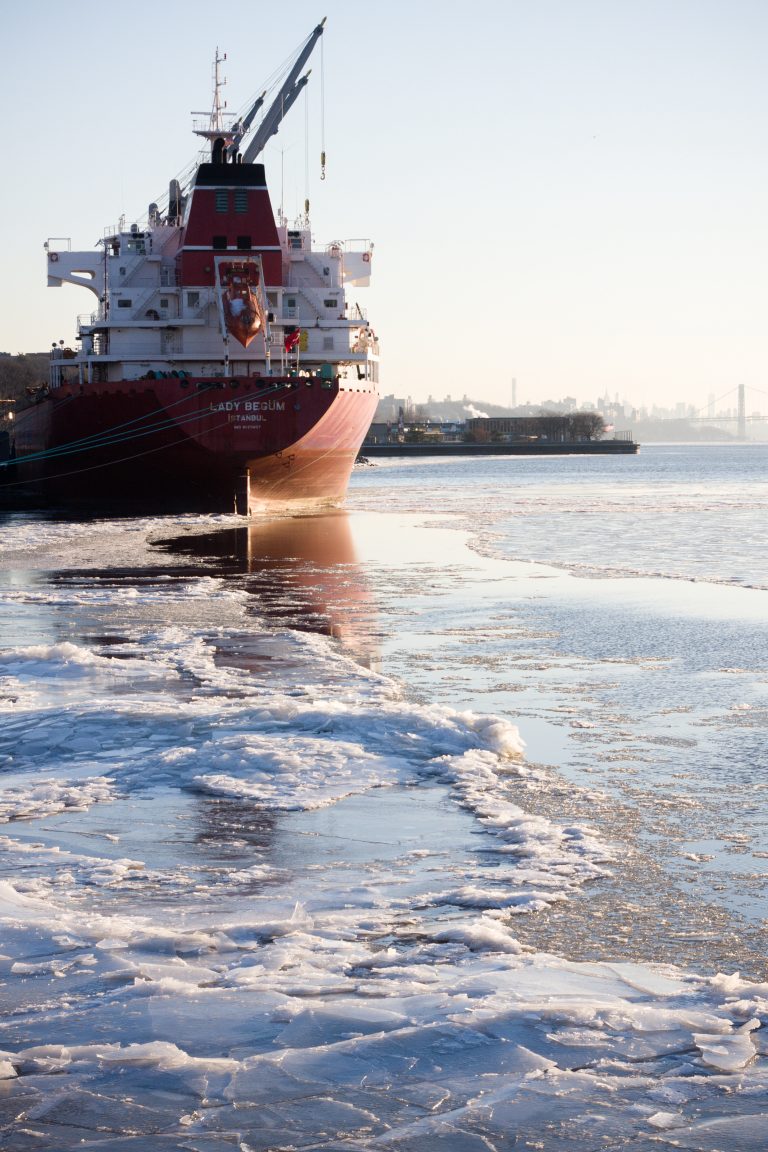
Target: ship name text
<point>249,406</point>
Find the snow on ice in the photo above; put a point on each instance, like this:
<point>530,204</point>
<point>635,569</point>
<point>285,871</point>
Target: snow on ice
<point>240,909</point>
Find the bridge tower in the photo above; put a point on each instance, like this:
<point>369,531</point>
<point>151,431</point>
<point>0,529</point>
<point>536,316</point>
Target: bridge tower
<point>741,426</point>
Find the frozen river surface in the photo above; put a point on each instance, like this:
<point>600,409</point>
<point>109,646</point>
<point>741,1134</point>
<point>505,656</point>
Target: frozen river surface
<point>384,830</point>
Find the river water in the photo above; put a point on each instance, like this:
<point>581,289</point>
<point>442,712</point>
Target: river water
<point>440,822</point>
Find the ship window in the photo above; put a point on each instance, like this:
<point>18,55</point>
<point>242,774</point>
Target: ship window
<point>331,303</point>
<point>290,302</point>
<point>125,304</point>
<point>163,301</point>
<point>244,242</point>
<point>220,243</point>
<point>327,343</point>
<point>193,299</point>
<point>241,200</point>
<point>222,200</point>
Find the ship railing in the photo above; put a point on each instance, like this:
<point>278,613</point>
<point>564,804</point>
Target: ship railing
<point>58,244</point>
<point>98,341</point>
<point>137,316</point>
<point>318,300</point>
<point>296,239</point>
<point>339,247</point>
<point>353,314</point>
<point>135,228</point>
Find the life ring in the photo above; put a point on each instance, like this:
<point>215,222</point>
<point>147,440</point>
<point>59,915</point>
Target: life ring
<point>367,257</point>
<point>53,257</point>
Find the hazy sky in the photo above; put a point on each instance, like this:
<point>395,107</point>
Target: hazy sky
<point>571,193</point>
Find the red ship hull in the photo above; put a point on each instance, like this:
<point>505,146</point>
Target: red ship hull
<point>192,442</point>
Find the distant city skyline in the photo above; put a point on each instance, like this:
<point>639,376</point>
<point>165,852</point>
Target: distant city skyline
<point>564,197</point>
<point>674,409</point>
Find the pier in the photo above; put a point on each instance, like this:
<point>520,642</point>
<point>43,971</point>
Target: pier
<point>539,448</point>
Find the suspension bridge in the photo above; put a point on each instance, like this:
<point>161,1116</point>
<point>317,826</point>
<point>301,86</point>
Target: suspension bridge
<point>708,413</point>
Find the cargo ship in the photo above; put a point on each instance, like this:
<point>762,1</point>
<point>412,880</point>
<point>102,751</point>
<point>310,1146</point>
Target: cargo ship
<point>224,367</point>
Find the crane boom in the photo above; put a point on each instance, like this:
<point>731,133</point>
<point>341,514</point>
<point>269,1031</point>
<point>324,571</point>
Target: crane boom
<point>243,126</point>
<point>272,120</point>
<point>284,99</point>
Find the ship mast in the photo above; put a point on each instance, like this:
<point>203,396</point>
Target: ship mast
<point>218,84</point>
<point>216,130</point>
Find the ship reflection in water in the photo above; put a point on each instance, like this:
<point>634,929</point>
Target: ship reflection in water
<point>303,572</point>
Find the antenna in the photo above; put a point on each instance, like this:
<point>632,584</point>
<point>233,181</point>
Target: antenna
<point>218,84</point>
<point>215,129</point>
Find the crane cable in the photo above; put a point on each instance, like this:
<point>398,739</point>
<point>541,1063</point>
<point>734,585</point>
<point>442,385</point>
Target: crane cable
<point>108,435</point>
<point>322,109</point>
<point>120,433</point>
<point>306,151</point>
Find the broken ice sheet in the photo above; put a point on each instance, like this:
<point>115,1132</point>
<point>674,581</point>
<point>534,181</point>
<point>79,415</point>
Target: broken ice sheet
<point>729,1052</point>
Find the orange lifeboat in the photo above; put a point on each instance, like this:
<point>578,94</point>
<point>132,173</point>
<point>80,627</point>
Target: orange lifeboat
<point>243,311</point>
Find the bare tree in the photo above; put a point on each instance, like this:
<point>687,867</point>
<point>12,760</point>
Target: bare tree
<point>586,425</point>
<point>17,373</point>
